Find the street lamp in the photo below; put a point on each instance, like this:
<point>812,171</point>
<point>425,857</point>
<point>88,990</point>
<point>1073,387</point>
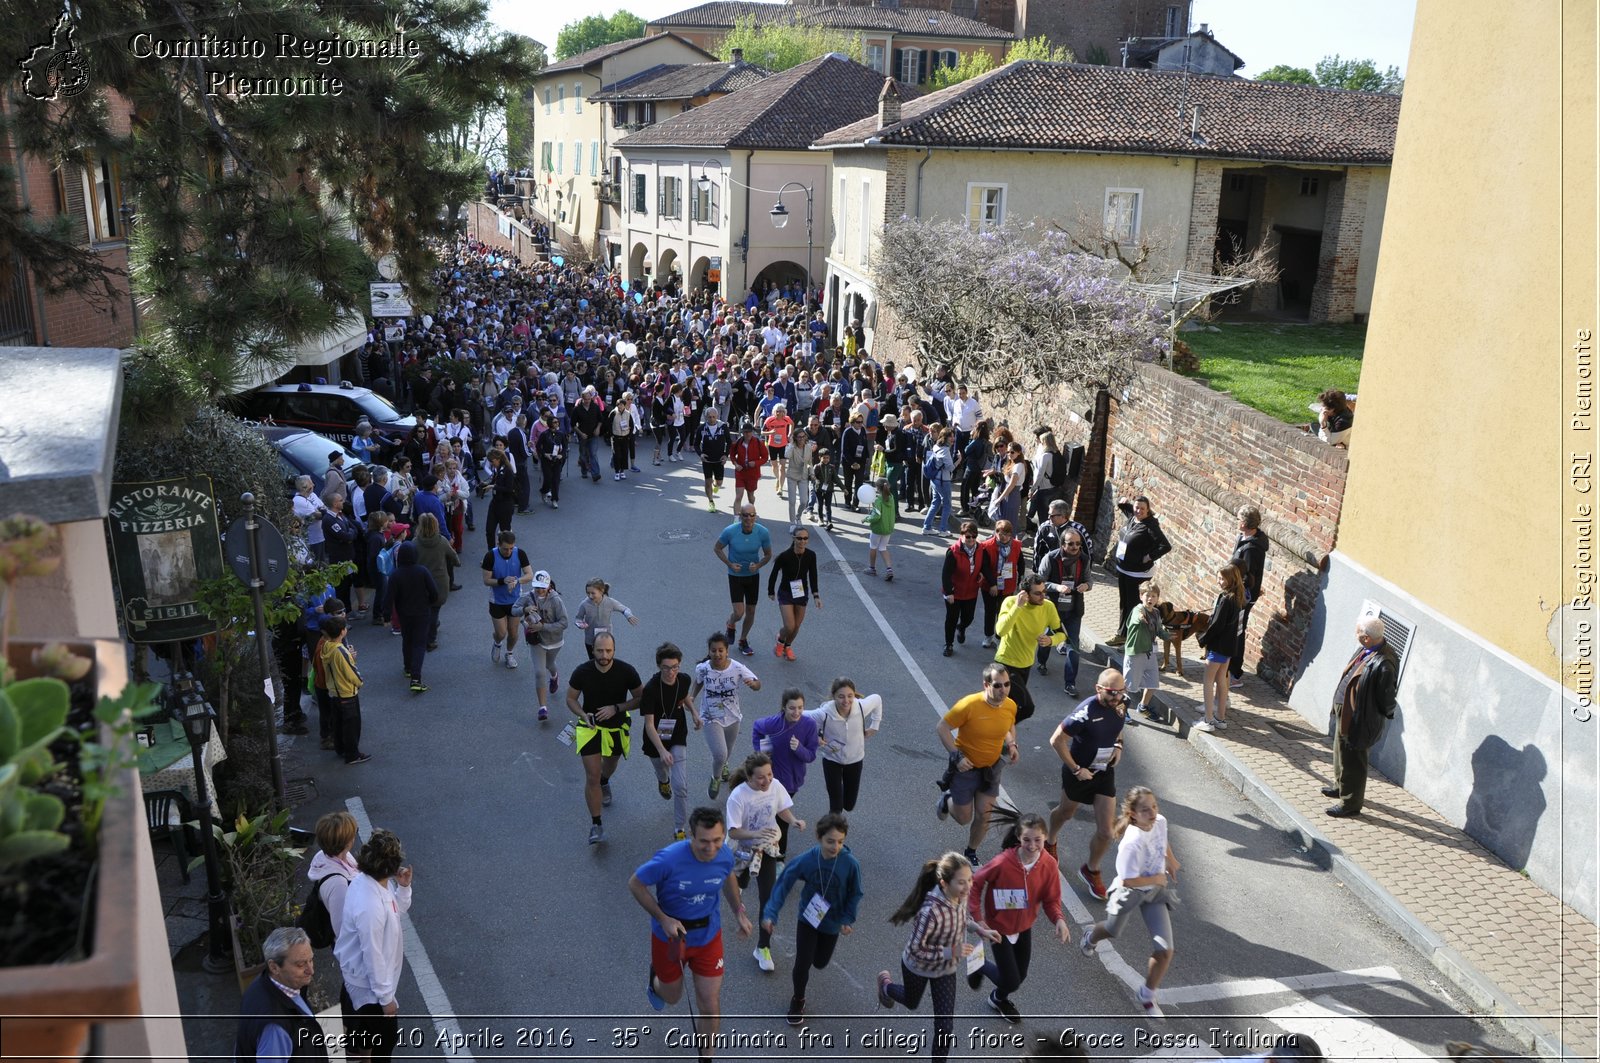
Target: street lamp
<point>780,219</point>
<point>196,715</point>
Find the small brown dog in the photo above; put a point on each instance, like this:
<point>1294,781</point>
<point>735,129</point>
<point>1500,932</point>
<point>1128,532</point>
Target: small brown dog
<point>1180,624</point>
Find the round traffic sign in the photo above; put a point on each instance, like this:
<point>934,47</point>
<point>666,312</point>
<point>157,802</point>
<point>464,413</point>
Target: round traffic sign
<point>274,553</point>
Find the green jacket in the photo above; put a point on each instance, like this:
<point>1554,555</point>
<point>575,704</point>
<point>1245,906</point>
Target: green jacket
<point>885,511</point>
<point>1143,635</point>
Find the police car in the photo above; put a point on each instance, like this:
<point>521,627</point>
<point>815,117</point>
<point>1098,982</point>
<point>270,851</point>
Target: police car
<point>332,410</point>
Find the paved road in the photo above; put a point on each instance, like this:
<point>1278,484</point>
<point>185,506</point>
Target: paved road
<point>531,934</point>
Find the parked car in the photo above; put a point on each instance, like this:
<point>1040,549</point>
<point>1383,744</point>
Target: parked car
<point>332,410</point>
<point>303,453</point>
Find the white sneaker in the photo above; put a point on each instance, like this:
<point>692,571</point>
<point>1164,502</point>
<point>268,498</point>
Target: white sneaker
<point>1147,999</point>
<point>494,654</point>
<point>989,643</point>
<point>1205,725</point>
<point>1222,725</point>
<point>1061,650</point>
<point>511,659</point>
<point>764,959</point>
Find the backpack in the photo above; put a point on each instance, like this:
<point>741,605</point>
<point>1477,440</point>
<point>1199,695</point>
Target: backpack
<point>386,559</point>
<point>930,467</point>
<point>315,918</point>
<point>1058,470</point>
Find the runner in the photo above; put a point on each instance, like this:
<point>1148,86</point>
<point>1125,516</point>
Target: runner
<point>1089,743</point>
<point>777,428</point>
<point>1007,894</point>
<point>749,455</point>
<point>666,731</point>
<point>757,805</point>
<point>1147,879</point>
<point>1028,624</point>
<point>961,581</point>
<point>1002,563</point>
<point>713,445</point>
<point>937,948</point>
<point>544,627</point>
<point>793,583</point>
<point>685,923</point>
<point>843,726</point>
<point>601,693</point>
<point>505,569</point>
<point>744,547</point>
<point>980,734</point>
<point>830,893</point>
<point>597,612</point>
<point>789,737</point>
<point>717,678</point>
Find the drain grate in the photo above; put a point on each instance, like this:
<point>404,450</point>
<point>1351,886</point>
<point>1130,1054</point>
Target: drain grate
<point>299,791</point>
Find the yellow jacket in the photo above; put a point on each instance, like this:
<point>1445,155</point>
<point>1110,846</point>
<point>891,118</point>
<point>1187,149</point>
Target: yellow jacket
<point>1019,628</point>
<point>339,665</point>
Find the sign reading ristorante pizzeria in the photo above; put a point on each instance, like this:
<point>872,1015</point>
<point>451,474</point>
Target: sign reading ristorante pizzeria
<point>164,543</point>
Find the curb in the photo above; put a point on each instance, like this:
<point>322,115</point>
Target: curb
<point>1530,1034</point>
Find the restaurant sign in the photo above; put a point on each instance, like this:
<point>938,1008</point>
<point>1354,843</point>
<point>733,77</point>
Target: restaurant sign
<point>164,544</point>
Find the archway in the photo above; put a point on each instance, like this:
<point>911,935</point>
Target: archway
<point>698,274</point>
<point>783,273</point>
<point>636,259</point>
<point>668,269</point>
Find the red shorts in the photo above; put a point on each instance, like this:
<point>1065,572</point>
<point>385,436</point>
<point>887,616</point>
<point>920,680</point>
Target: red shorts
<point>747,479</point>
<point>668,957</point>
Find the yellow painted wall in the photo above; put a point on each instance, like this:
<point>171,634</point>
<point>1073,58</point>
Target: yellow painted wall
<point>1458,461</point>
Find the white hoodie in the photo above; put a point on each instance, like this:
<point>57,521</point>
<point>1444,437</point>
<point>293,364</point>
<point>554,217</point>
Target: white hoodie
<point>343,869</point>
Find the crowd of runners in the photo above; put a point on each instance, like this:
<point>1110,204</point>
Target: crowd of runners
<point>553,369</point>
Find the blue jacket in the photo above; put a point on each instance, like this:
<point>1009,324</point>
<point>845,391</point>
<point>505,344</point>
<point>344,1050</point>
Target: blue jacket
<point>838,881</point>
<point>428,502</point>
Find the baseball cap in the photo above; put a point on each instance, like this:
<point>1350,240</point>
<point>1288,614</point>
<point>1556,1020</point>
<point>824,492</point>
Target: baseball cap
<point>541,578</point>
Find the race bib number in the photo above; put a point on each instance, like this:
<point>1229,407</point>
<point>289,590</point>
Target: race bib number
<point>797,589</point>
<point>814,911</point>
<point>1005,572</point>
<point>665,728</point>
<point>1102,758</point>
<point>568,735</point>
<point>1010,900</point>
<point>975,960</point>
<point>1122,550</point>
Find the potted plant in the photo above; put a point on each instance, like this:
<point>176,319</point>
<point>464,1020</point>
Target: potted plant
<point>258,873</point>
<point>70,813</point>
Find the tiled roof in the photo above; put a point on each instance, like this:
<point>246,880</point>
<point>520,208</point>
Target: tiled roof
<point>606,51</point>
<point>788,110</point>
<point>1065,106</point>
<point>682,81</point>
<point>921,21</point>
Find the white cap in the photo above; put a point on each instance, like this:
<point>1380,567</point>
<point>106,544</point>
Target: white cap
<point>541,578</point>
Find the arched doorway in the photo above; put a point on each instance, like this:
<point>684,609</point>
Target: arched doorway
<point>636,260</point>
<point>668,270</point>
<point>784,274</point>
<point>698,274</point>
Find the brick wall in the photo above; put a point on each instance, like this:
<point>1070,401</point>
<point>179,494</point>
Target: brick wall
<point>483,224</point>
<point>1202,245</point>
<point>1199,455</point>
<point>1339,261</point>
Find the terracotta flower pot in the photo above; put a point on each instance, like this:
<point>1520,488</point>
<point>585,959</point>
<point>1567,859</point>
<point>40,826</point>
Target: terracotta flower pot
<point>62,1001</point>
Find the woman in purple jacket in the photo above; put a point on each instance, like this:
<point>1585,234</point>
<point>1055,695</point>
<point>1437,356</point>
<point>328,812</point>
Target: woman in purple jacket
<point>789,737</point>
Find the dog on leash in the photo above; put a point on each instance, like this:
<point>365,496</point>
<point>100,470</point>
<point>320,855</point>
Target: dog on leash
<point>1180,624</point>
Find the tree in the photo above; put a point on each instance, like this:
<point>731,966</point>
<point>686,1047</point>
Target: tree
<point>593,31</point>
<point>972,64</point>
<point>1038,48</point>
<point>781,45</point>
<point>1333,72</point>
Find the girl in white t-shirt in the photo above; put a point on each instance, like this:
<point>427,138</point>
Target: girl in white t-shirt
<point>1147,873</point>
<point>755,805</point>
<point>717,680</point>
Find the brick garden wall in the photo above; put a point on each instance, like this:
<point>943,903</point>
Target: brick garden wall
<point>1199,455</point>
<point>483,224</point>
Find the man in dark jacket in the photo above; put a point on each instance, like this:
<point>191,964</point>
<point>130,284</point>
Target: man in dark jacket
<point>1363,703</point>
<point>413,595</point>
<point>586,422</point>
<point>1250,558</point>
<point>275,1022</point>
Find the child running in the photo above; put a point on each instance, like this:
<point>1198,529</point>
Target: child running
<point>1007,894</point>
<point>830,892</point>
<point>756,805</point>
<point>1147,873</point>
<point>595,615</point>
<point>716,686</point>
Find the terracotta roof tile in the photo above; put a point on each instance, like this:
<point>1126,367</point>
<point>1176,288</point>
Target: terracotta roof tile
<point>788,110</point>
<point>606,51</point>
<point>1073,107</point>
<point>680,81</point>
<point>921,21</point>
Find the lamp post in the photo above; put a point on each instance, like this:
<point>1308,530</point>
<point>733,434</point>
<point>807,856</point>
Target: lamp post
<point>780,218</point>
<point>129,216</point>
<point>196,716</point>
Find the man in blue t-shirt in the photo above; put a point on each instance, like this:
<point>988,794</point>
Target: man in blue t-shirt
<point>679,887</point>
<point>744,547</point>
<point>1089,743</point>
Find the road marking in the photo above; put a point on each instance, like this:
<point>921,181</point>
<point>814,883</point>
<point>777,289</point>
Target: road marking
<point>1249,987</point>
<point>1329,1022</point>
<point>433,994</point>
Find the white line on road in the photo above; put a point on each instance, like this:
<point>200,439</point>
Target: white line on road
<point>433,994</point>
<point>1249,987</point>
<point>1330,1023</point>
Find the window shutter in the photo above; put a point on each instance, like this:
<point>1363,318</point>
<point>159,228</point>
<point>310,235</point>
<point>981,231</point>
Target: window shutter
<point>922,67</point>
<point>898,70</point>
<point>661,196</point>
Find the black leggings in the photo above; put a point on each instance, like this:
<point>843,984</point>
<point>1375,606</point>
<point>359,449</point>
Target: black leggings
<point>944,1005</point>
<point>812,949</point>
<point>958,614</point>
<point>764,880</point>
<point>1009,967</point>
<point>621,452</point>
<point>844,784</point>
<point>1127,598</point>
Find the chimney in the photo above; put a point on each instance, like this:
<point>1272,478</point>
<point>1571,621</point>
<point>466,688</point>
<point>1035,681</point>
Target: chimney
<point>888,104</point>
<point>738,57</point>
<point>1205,29</point>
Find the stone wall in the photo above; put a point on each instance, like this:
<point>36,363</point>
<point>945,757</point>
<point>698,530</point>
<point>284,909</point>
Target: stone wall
<point>483,224</point>
<point>1199,455</point>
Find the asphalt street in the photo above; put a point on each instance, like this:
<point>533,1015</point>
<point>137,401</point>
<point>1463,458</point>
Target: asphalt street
<point>524,942</point>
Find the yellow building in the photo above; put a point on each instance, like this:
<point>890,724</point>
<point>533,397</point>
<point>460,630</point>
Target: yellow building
<point>1469,512</point>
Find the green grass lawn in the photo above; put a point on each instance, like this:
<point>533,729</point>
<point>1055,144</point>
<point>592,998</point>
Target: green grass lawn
<point>1279,367</point>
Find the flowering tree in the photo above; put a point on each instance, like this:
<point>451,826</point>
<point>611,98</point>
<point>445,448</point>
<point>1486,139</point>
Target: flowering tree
<point>1016,309</point>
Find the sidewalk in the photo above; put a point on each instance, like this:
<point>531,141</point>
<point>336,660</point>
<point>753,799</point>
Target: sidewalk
<point>1515,952</point>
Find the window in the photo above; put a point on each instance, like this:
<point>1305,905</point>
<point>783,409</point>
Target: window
<point>947,58</point>
<point>1175,21</point>
<point>594,157</point>
<point>103,193</point>
<point>1308,186</point>
<point>875,58</point>
<point>864,252</point>
<point>546,156</point>
<point>561,158</point>
<point>546,101</point>
<point>577,97</point>
<point>647,112</point>
<point>561,99</point>
<point>639,205</point>
<point>619,114</point>
<point>910,65</point>
<point>703,204</point>
<point>1122,212</point>
<point>986,206</point>
<point>669,197</point>
<point>577,157</point>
